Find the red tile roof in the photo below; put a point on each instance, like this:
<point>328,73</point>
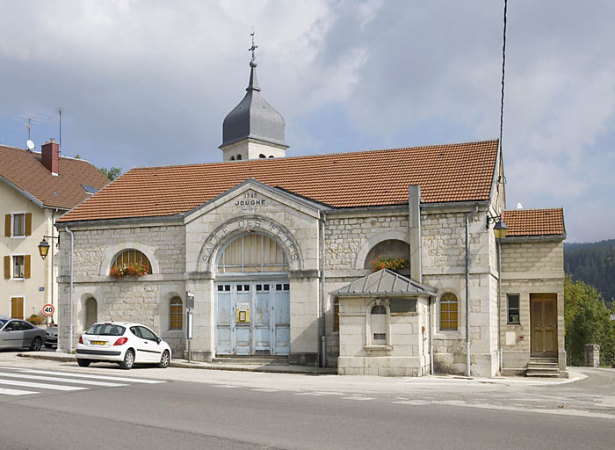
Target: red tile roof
<point>25,170</point>
<point>446,173</point>
<point>534,222</point>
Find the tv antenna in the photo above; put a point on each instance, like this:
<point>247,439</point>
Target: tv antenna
<point>29,120</point>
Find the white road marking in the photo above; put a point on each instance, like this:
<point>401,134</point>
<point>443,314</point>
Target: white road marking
<point>226,386</point>
<point>412,402</point>
<point>266,390</point>
<point>319,394</point>
<point>359,398</point>
<point>54,387</point>
<point>60,380</point>
<point>94,376</point>
<point>15,392</point>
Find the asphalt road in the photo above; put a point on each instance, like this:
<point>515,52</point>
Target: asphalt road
<point>241,411</point>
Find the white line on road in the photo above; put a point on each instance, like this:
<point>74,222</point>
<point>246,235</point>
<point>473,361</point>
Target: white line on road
<point>94,376</point>
<point>60,380</point>
<point>359,398</point>
<point>54,387</point>
<point>319,394</point>
<point>266,390</point>
<point>226,386</point>
<point>412,402</point>
<point>15,392</point>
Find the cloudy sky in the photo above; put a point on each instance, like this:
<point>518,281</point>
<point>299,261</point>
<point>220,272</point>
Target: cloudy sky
<point>145,83</point>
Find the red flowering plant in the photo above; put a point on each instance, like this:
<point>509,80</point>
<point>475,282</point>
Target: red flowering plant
<point>394,264</point>
<point>132,269</point>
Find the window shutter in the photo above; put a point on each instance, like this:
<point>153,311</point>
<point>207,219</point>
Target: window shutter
<point>7,225</point>
<point>7,267</point>
<point>28,224</point>
<point>26,270</point>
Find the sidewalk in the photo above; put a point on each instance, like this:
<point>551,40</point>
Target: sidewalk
<point>182,363</point>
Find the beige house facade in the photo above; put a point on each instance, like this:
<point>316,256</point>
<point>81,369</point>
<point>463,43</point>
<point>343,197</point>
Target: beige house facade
<point>35,189</point>
<point>381,263</point>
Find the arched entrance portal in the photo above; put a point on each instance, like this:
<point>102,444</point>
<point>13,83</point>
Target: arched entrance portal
<point>252,297</point>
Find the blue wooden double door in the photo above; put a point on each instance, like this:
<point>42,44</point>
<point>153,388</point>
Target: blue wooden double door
<point>252,318</point>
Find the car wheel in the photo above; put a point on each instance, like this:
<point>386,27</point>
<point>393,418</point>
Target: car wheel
<point>129,360</point>
<point>164,360</point>
<point>83,362</point>
<point>36,344</point>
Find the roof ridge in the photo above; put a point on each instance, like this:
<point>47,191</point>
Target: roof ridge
<point>535,209</point>
<point>318,155</point>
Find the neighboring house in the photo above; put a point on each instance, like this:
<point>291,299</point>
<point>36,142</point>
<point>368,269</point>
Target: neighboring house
<point>36,189</point>
<point>277,252</point>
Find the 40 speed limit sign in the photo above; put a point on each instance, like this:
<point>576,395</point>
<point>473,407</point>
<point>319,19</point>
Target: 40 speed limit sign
<point>49,309</point>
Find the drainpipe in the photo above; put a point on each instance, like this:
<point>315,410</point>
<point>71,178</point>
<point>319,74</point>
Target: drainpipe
<point>323,322</point>
<point>432,302</point>
<point>500,305</point>
<point>53,216</point>
<point>70,294</point>
<point>474,211</point>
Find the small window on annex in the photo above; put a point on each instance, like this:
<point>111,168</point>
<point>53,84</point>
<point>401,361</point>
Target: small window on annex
<point>176,314</point>
<point>379,324</point>
<point>336,315</point>
<point>252,253</point>
<point>448,312</point>
<point>134,257</point>
<point>512,301</point>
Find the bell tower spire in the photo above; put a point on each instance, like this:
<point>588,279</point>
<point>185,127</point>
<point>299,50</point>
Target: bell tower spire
<point>253,129</point>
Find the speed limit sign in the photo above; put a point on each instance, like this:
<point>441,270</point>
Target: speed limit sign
<point>49,309</point>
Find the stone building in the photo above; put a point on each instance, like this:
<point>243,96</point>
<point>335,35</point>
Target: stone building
<point>282,256</point>
<point>35,189</point>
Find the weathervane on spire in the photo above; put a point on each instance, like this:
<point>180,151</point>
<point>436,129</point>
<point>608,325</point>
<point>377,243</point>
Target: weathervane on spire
<point>254,47</point>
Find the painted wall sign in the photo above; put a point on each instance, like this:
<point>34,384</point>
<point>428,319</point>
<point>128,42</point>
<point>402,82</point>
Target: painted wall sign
<point>251,224</point>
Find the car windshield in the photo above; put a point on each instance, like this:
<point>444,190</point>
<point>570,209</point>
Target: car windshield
<point>106,329</point>
<point>2,322</point>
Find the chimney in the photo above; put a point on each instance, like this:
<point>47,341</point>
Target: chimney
<point>50,156</point>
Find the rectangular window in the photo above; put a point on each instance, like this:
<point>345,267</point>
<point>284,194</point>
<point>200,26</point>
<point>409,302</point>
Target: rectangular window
<point>19,225</point>
<point>336,315</point>
<point>18,266</point>
<point>512,300</point>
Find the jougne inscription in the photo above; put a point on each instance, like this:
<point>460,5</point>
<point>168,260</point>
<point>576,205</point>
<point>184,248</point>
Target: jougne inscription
<point>247,224</point>
<point>251,199</point>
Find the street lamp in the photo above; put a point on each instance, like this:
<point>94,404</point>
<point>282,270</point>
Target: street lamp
<point>43,248</point>
<point>500,229</point>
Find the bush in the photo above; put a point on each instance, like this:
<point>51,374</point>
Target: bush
<point>35,319</point>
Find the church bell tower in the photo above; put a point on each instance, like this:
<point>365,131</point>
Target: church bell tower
<point>253,129</point>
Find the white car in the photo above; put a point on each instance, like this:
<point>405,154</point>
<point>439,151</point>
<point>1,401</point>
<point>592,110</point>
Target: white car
<point>124,343</point>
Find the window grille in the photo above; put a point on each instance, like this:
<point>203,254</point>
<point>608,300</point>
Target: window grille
<point>252,253</point>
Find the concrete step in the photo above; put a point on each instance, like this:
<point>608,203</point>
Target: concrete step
<point>257,360</point>
<point>543,367</point>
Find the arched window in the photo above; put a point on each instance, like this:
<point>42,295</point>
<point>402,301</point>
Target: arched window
<point>132,256</point>
<point>232,158</point>
<point>448,311</point>
<point>252,253</point>
<point>238,157</point>
<point>389,250</point>
<point>271,156</point>
<point>176,314</point>
<point>261,156</point>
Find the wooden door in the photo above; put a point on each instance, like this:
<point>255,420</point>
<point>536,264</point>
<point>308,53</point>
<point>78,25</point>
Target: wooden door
<point>17,307</point>
<point>543,322</point>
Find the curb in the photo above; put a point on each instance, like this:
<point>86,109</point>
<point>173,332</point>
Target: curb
<point>187,365</point>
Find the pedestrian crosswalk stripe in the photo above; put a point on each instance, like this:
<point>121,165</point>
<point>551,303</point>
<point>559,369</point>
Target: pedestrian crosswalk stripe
<point>266,390</point>
<point>94,376</point>
<point>358,398</point>
<point>15,392</point>
<point>55,387</point>
<point>60,380</point>
<point>227,386</point>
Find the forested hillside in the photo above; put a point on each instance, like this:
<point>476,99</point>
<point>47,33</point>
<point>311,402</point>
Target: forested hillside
<point>593,263</point>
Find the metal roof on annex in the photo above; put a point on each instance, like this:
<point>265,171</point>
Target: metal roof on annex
<point>384,283</point>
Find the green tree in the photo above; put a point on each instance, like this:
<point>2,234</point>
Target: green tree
<point>112,173</point>
<point>587,321</point>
